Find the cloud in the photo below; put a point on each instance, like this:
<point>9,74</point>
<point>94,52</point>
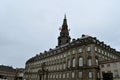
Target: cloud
<point>28,27</point>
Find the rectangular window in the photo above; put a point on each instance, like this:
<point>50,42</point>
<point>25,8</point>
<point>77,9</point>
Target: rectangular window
<point>67,75</point>
<point>90,74</point>
<point>63,75</point>
<point>80,61</point>
<point>73,52</point>
<point>80,74</point>
<point>79,50</point>
<point>56,75</point>
<point>64,66</point>
<point>98,75</point>
<point>64,55</point>
<point>95,48</point>
<point>59,75</point>
<point>116,73</point>
<point>73,75</point>
<point>68,63</point>
<point>73,63</point>
<point>88,48</point>
<point>89,62</point>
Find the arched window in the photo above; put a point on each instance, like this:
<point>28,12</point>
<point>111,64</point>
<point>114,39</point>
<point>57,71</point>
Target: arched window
<point>80,61</point>
<point>89,62</point>
<point>73,62</point>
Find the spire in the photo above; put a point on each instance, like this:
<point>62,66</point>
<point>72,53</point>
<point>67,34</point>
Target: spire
<point>64,25</point>
<point>65,16</point>
<point>64,34</point>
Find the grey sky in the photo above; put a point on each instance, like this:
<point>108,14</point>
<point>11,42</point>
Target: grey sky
<point>28,27</point>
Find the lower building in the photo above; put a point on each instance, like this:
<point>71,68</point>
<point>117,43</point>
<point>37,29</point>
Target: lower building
<point>110,66</point>
<point>9,73</point>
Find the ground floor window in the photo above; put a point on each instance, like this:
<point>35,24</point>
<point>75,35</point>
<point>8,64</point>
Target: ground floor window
<point>80,74</point>
<point>90,74</point>
<point>73,74</point>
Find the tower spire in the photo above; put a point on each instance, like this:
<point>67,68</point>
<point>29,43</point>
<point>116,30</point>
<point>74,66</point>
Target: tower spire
<point>64,34</point>
<point>65,16</point>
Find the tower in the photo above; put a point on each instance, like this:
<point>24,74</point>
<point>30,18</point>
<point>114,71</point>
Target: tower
<point>64,33</point>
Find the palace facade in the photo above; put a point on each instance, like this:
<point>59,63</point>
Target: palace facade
<point>70,60</point>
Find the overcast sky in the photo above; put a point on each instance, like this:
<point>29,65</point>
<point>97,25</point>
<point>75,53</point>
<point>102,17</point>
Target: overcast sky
<point>28,27</point>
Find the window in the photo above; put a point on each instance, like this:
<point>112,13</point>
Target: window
<point>56,75</point>
<point>59,75</point>
<point>67,75</point>
<point>116,73</point>
<point>53,75</point>
<point>61,67</point>
<point>73,75</point>
<point>98,75</point>
<point>90,74</point>
<point>80,50</point>
<point>64,66</point>
<point>95,48</point>
<point>80,74</point>
<point>57,67</point>
<point>64,55</point>
<point>99,50</point>
<point>64,75</point>
<point>73,62</point>
<point>68,53</point>
<point>88,48</point>
<point>73,52</point>
<point>58,57</point>
<point>96,61</point>
<point>80,61</point>
<point>89,62</point>
<point>61,56</point>
<point>68,63</point>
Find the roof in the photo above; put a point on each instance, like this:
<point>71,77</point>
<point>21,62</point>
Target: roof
<point>84,40</point>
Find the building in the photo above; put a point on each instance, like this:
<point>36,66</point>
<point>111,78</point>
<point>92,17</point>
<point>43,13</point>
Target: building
<point>70,60</point>
<point>9,73</point>
<point>111,66</point>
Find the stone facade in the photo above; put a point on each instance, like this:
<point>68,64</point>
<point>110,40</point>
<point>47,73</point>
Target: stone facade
<point>110,66</point>
<point>70,60</point>
<point>9,73</point>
